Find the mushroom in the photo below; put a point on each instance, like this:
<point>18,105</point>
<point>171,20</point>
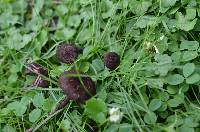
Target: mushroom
<point>38,70</point>
<point>39,82</point>
<point>76,87</point>
<point>67,53</point>
<point>35,69</point>
<point>111,60</point>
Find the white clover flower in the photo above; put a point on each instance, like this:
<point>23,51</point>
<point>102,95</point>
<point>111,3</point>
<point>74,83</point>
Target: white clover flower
<point>162,37</point>
<point>156,49</point>
<point>115,114</point>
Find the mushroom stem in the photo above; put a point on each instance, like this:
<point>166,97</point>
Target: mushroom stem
<point>62,104</point>
<point>36,82</point>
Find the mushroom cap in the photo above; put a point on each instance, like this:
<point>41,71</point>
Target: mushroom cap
<point>39,82</point>
<point>35,69</point>
<point>67,53</point>
<point>76,88</point>
<point>111,60</point>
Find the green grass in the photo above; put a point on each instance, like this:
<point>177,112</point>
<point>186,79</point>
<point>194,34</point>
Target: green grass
<point>156,86</point>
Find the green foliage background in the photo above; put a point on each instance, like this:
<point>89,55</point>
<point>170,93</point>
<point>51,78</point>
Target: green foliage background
<point>156,86</point>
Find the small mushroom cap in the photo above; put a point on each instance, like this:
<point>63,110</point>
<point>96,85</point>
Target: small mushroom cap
<point>111,60</point>
<point>35,69</point>
<point>67,53</point>
<point>39,82</point>
<point>76,88</point>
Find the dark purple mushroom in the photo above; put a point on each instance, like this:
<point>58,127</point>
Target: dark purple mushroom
<point>39,82</point>
<point>111,60</point>
<point>77,88</point>
<point>67,53</point>
<point>35,69</point>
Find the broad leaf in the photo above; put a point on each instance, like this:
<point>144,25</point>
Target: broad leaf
<point>174,79</point>
<point>35,115</point>
<point>188,69</point>
<point>38,100</point>
<point>96,110</point>
<point>189,55</point>
<point>189,45</point>
<point>194,78</point>
<point>155,104</point>
<point>150,118</point>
